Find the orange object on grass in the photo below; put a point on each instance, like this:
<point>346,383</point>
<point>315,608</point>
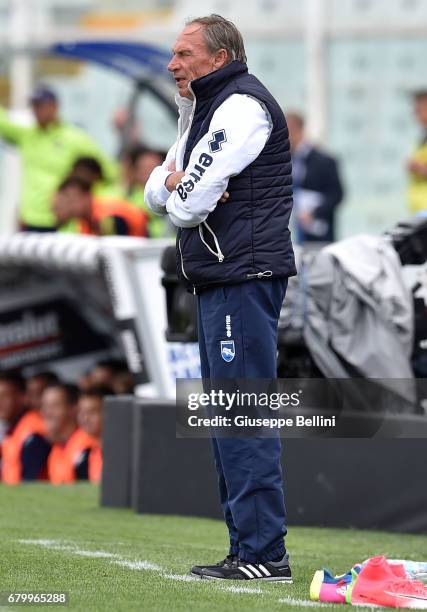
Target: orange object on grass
<point>382,583</point>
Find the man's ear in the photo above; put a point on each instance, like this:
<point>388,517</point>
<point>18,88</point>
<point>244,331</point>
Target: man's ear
<point>221,58</point>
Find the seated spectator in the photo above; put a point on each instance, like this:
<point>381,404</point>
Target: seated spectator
<point>35,386</point>
<point>137,163</point>
<point>123,383</point>
<point>111,373</point>
<point>96,216</point>
<point>90,420</point>
<point>85,381</point>
<point>25,448</point>
<point>103,372</point>
<point>68,459</point>
<point>90,170</point>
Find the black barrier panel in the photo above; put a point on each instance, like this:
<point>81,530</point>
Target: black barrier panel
<point>117,447</point>
<point>170,476</point>
<point>361,483</point>
<point>365,484</point>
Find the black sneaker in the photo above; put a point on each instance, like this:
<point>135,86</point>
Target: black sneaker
<point>229,561</point>
<point>272,571</point>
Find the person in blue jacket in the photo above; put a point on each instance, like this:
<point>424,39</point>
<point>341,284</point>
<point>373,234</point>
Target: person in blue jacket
<point>226,184</point>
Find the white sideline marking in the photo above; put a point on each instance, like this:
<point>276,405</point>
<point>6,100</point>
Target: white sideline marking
<point>139,565</point>
<point>40,542</point>
<point>56,545</point>
<point>237,589</point>
<point>181,577</point>
<point>303,603</point>
<point>51,544</point>
<point>96,554</point>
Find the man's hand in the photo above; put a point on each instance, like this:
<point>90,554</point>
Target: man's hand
<point>176,177</point>
<point>173,180</point>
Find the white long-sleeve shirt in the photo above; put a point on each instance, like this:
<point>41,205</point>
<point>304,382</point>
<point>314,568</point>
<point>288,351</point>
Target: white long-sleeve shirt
<point>238,131</point>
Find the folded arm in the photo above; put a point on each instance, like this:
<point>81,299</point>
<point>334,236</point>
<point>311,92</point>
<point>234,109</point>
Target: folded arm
<point>236,136</point>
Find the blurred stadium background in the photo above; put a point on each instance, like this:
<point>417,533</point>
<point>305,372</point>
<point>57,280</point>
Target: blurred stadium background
<point>349,65</point>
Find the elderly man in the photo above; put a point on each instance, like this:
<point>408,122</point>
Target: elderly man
<point>226,184</point>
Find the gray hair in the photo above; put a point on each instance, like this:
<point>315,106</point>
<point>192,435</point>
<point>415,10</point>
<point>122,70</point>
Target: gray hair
<point>219,33</point>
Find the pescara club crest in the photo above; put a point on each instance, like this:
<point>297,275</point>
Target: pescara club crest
<point>227,350</point>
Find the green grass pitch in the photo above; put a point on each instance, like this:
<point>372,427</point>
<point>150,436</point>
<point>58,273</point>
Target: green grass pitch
<point>59,539</point>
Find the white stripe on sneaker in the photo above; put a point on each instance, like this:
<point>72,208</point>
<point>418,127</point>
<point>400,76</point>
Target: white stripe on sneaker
<point>255,571</point>
<point>246,571</point>
<point>264,569</point>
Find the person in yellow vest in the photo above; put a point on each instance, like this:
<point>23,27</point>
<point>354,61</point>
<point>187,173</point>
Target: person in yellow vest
<point>69,458</point>
<point>90,420</point>
<point>24,449</point>
<point>48,150</point>
<point>417,165</point>
<point>96,216</point>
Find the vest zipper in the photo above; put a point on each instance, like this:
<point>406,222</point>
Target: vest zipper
<point>182,259</point>
<point>265,274</point>
<point>218,252</point>
<point>189,128</point>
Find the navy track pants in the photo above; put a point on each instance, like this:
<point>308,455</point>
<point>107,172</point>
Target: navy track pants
<point>243,319</point>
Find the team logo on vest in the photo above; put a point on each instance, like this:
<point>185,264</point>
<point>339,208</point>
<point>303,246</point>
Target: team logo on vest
<point>218,138</point>
<point>227,350</point>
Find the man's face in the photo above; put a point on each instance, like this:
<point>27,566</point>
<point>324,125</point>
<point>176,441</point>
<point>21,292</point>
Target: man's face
<point>45,112</point>
<point>145,166</point>
<point>191,58</point>
<point>35,388</point>
<point>59,416</point>
<point>101,375</point>
<point>11,401</point>
<point>421,110</point>
<point>90,415</point>
<point>69,203</point>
